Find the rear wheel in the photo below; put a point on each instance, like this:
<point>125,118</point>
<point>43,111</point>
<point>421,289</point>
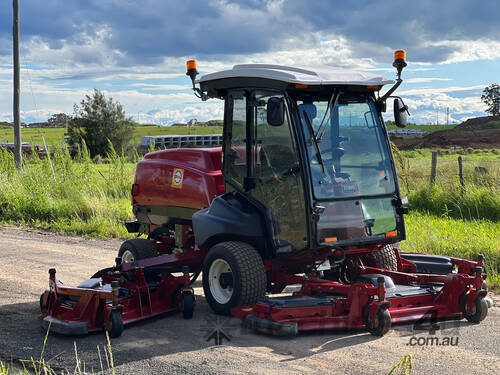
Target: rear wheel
<point>135,249</point>
<point>386,258</point>
<point>233,275</point>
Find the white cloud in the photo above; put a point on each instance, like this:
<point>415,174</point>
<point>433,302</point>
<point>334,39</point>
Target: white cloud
<point>425,80</point>
<point>470,50</point>
<point>439,90</point>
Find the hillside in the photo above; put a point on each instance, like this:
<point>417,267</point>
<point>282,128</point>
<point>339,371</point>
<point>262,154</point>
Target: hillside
<point>480,132</point>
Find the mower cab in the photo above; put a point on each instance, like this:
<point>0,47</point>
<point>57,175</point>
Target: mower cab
<point>308,151</point>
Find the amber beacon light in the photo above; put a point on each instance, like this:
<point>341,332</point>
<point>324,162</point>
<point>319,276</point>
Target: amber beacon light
<point>399,60</point>
<point>192,70</point>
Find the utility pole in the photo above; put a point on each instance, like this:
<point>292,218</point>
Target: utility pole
<point>17,120</point>
<point>447,115</point>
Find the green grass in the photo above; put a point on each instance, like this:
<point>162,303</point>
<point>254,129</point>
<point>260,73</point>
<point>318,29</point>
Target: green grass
<point>55,136</point>
<point>83,198</point>
<point>453,237</point>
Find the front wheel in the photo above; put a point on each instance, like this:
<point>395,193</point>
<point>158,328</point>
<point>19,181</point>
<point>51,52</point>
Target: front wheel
<point>385,258</point>
<point>233,275</point>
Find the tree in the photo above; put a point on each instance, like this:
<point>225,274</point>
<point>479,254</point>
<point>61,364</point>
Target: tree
<point>491,98</point>
<point>97,120</point>
<point>59,120</point>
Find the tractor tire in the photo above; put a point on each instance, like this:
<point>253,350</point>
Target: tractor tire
<point>233,275</point>
<point>386,258</point>
<point>136,249</point>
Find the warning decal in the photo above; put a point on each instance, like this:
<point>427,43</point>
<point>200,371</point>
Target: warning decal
<point>177,178</point>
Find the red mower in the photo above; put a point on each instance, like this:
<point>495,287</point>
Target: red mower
<point>303,191</point>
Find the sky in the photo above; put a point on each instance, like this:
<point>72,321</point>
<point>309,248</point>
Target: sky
<point>135,51</point>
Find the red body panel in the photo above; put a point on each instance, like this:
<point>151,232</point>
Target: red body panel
<point>201,178</point>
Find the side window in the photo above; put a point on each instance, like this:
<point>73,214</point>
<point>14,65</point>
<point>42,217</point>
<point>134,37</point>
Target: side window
<point>275,152</point>
<point>276,165</point>
<point>235,161</point>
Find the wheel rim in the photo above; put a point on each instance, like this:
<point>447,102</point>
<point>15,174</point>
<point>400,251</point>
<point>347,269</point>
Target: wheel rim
<point>220,276</point>
<point>127,257</point>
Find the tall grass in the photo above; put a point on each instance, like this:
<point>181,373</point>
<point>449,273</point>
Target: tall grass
<point>479,200</point>
<point>79,198</point>
<point>453,237</point>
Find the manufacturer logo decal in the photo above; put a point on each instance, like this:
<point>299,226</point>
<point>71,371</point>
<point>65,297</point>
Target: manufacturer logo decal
<point>177,178</point>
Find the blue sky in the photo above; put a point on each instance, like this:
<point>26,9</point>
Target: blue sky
<point>135,51</point>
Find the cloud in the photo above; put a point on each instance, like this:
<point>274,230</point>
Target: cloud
<point>425,80</point>
<point>431,91</point>
<point>129,33</point>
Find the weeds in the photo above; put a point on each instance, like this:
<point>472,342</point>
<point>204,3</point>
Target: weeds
<point>404,366</point>
<point>42,367</point>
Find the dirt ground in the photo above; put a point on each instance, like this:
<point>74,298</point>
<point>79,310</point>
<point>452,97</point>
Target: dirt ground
<point>473,133</point>
<point>172,345</point>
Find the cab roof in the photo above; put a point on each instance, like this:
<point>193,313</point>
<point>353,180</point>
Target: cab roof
<point>314,75</point>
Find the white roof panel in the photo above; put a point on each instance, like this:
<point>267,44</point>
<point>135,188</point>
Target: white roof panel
<point>314,75</point>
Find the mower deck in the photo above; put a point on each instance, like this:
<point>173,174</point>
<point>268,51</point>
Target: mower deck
<point>114,297</point>
<point>373,302</point>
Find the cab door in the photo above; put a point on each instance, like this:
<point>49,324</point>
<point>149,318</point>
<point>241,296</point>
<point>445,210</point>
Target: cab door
<point>278,175</point>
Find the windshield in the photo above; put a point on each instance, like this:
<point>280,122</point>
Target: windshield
<point>353,155</point>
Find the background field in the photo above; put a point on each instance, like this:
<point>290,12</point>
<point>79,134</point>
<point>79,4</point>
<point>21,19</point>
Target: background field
<point>55,136</point>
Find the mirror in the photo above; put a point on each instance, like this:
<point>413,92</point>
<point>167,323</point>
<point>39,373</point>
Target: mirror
<point>275,111</point>
<point>400,113</point>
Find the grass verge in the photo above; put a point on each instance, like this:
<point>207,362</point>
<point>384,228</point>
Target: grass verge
<point>453,237</point>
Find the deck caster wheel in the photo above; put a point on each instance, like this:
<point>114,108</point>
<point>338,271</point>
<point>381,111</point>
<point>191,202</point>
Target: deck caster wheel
<point>382,323</point>
<point>115,327</point>
<point>44,306</point>
<point>187,305</point>
<point>479,309</point>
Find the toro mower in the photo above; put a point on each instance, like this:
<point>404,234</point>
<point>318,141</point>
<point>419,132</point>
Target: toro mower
<point>303,191</point>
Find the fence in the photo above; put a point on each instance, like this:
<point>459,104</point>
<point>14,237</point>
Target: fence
<point>450,171</point>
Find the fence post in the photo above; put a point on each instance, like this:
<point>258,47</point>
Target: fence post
<point>461,175</point>
<point>433,167</point>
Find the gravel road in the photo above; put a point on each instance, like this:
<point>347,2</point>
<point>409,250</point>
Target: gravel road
<point>172,345</point>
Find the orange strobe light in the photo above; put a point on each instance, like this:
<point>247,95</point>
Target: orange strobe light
<point>399,60</point>
<point>191,65</point>
<point>192,70</point>
<point>400,54</point>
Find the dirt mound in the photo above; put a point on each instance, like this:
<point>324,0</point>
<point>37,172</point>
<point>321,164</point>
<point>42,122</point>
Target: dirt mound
<point>480,132</point>
<point>478,123</point>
